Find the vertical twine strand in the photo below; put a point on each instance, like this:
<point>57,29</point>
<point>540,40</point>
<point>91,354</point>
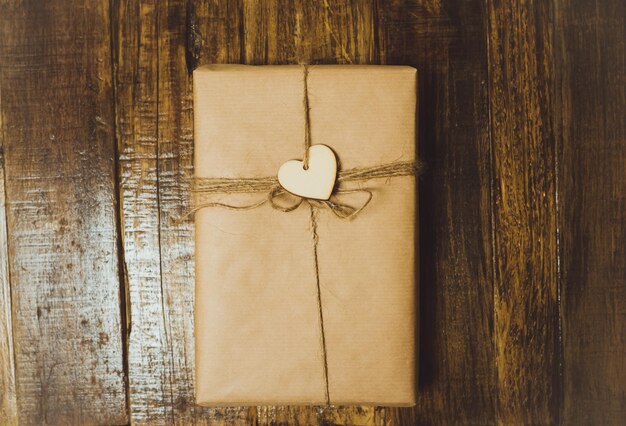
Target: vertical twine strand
<point>307,120</point>
<point>305,164</point>
<point>319,298</point>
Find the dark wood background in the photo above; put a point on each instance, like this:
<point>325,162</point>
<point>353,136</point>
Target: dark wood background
<point>523,206</point>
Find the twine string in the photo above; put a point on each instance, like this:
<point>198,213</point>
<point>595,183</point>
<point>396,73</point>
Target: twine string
<point>203,190</point>
<point>307,118</point>
<point>315,237</point>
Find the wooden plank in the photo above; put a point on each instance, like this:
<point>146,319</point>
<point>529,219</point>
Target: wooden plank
<point>57,121</point>
<point>332,415</point>
<point>445,40</point>
<point>524,211</point>
<point>8,396</point>
<point>324,32</point>
<point>590,70</point>
<point>155,49</point>
<point>135,56</point>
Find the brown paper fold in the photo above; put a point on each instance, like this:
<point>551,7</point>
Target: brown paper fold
<point>257,320</point>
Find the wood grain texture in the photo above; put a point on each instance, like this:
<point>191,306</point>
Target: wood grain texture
<point>445,41</point>
<point>524,212</point>
<point>57,124</point>
<point>324,32</point>
<point>522,207</point>
<point>135,60</point>
<point>8,395</point>
<point>591,110</point>
<point>155,144</point>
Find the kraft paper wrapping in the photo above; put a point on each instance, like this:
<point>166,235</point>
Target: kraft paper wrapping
<point>257,320</point>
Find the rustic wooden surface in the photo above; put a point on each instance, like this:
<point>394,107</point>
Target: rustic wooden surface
<point>58,125</point>
<point>523,223</point>
<point>524,211</point>
<point>591,175</point>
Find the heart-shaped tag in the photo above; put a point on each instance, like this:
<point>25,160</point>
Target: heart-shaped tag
<point>317,181</point>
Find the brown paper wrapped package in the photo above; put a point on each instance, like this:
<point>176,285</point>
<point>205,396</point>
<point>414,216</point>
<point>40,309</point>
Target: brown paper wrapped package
<point>258,327</point>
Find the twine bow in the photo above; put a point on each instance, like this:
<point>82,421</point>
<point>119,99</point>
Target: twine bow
<point>282,200</point>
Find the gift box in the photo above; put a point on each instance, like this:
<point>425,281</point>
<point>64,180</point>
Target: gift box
<point>295,301</point>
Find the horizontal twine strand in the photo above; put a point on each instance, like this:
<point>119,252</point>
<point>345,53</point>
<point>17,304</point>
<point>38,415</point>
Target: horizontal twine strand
<point>224,185</point>
<point>202,188</point>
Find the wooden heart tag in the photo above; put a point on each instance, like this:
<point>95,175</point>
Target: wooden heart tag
<point>317,181</point>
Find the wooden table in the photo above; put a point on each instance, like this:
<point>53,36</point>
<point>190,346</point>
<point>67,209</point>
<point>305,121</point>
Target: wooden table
<point>523,223</point>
